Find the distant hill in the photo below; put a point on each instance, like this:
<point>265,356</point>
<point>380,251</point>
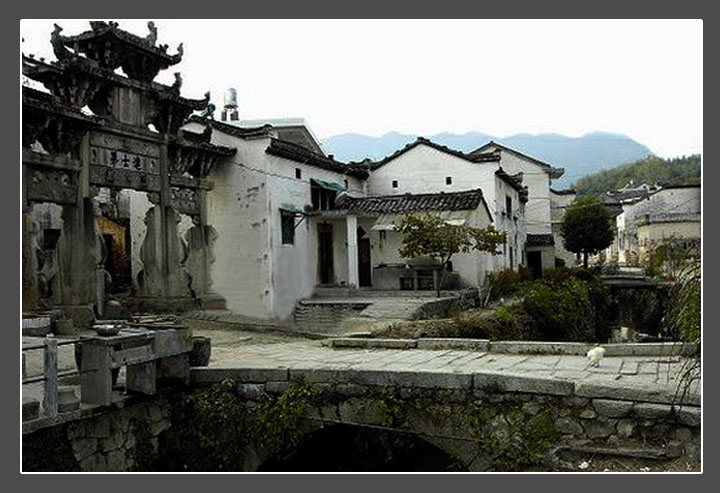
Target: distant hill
<point>651,170</point>
<point>578,155</point>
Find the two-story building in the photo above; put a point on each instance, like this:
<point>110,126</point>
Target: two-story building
<point>537,176</point>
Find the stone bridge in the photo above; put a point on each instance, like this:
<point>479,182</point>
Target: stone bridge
<point>486,407</point>
<point>472,403</point>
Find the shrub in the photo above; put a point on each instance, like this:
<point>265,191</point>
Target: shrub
<point>508,282</point>
<point>474,324</point>
<point>561,310</point>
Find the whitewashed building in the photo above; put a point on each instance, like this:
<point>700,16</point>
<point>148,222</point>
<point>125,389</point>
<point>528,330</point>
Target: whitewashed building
<point>559,201</point>
<point>537,176</point>
<point>673,212</point>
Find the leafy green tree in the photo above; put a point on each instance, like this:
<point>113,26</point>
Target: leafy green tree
<point>429,235</point>
<point>586,227</point>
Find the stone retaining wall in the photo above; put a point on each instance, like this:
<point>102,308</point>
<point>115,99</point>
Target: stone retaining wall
<point>114,439</point>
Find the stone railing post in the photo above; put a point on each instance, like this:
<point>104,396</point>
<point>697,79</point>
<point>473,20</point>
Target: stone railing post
<point>50,372</point>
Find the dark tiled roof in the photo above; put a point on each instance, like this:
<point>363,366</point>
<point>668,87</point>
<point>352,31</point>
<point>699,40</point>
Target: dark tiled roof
<point>618,197</point>
<point>568,191</point>
<point>301,154</point>
<point>553,171</point>
<point>390,204</point>
<point>539,240</point>
<point>105,31</point>
<point>231,129</point>
<point>42,71</point>
<point>478,158</point>
<point>515,181</point>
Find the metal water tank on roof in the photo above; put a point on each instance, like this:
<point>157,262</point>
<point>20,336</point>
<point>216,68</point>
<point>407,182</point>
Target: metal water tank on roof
<point>231,98</point>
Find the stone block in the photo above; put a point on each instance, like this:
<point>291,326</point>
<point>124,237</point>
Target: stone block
<point>612,408</point>
<point>155,412</point>
<point>682,434</point>
<point>598,429</point>
<point>113,442</point>
<point>653,411</point>
<point>391,343</point>
<point>568,426</point>
<point>454,343</point>
<point>412,379</point>
<point>518,383</point>
<point>101,428</point>
<point>116,461</point>
<point>540,347</point>
<point>625,428</point>
<point>30,409</point>
<point>574,401</point>
<point>158,427</point>
<point>674,448</point>
<point>350,389</point>
<point>349,342</point>
<point>84,447</point>
<point>276,387</point>
<point>318,375</point>
<point>209,375</point>
<point>637,393</point>
<point>251,391</point>
<point>531,408</point>
<point>689,416</point>
<point>588,414</point>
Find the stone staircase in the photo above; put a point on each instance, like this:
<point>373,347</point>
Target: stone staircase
<point>340,311</point>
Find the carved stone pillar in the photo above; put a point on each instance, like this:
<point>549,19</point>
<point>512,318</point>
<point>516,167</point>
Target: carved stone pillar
<point>177,281</point>
<point>150,278</point>
<point>30,248</point>
<point>152,281</point>
<point>77,254</point>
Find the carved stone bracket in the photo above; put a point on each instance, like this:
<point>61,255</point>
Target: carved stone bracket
<point>185,201</point>
<point>47,185</point>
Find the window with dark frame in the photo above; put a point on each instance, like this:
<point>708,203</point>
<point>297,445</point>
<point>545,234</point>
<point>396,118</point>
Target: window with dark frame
<point>288,227</point>
<point>322,199</point>
<point>347,185</point>
<point>298,173</point>
<point>508,205</point>
<point>448,180</point>
<point>394,184</point>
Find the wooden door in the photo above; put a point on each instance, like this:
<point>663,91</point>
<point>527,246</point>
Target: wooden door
<point>325,254</point>
<point>364,263</point>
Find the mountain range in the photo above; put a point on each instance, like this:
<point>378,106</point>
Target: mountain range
<point>579,156</point>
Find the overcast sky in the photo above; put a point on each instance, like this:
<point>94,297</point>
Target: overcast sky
<point>639,78</point>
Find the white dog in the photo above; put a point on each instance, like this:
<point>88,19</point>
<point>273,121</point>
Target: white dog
<point>595,355</point>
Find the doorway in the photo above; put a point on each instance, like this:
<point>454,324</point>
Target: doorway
<point>534,260</point>
<point>325,254</point>
<point>364,263</point>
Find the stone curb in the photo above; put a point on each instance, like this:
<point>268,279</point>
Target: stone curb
<point>609,400</point>
<point>515,347</point>
<point>636,394</point>
<point>518,383</point>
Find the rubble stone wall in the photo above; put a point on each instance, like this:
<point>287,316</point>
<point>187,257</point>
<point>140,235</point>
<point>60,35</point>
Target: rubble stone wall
<point>119,439</point>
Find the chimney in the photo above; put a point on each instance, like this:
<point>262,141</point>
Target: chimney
<point>230,109</point>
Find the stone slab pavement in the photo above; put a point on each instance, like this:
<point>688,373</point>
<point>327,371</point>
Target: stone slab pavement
<point>655,377</point>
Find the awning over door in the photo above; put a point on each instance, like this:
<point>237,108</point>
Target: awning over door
<point>328,185</point>
<point>387,222</point>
